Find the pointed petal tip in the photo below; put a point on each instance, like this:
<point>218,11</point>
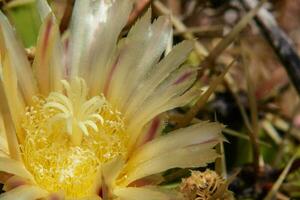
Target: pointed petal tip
<point>43,8</point>
<point>165,20</point>
<point>188,44</point>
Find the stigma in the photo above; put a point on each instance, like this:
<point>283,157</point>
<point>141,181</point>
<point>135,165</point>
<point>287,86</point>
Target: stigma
<point>79,114</point>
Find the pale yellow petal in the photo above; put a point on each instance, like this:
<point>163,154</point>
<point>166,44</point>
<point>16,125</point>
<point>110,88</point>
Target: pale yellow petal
<point>18,58</point>
<point>152,130</point>
<point>152,51</point>
<point>14,167</point>
<point>25,192</point>
<point>175,85</point>
<point>9,126</point>
<point>159,72</point>
<point>175,102</point>
<point>13,182</point>
<point>111,170</point>
<point>188,157</point>
<point>200,133</point>
<point>12,93</point>
<point>43,9</point>
<point>92,197</point>
<point>178,101</point>
<point>127,53</point>
<point>48,62</point>
<point>153,45</point>
<point>56,196</point>
<point>136,193</point>
<point>4,152</point>
<point>141,27</point>
<point>107,175</point>
<point>186,147</point>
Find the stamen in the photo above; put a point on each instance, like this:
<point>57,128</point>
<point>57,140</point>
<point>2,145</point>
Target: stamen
<point>68,136</point>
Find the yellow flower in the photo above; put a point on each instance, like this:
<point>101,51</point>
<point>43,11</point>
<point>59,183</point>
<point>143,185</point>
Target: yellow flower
<point>84,121</point>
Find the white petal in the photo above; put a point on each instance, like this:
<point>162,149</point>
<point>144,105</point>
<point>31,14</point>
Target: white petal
<point>43,8</point>
<point>95,28</point>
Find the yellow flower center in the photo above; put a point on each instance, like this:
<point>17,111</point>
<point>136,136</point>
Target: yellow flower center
<point>68,136</point>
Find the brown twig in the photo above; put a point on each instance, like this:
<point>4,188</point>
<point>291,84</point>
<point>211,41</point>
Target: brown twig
<point>281,178</point>
<point>233,89</point>
<point>286,136</point>
<point>253,134</point>
<point>280,43</point>
<point>206,31</point>
<point>223,44</point>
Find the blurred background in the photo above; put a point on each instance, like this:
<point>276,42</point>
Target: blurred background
<point>257,99</point>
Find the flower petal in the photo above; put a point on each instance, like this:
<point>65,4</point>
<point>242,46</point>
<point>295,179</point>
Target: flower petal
<point>43,8</point>
<point>127,52</point>
<point>14,182</point>
<point>193,156</point>
<point>24,192</point>
<point>14,167</point>
<point>200,133</point>
<point>137,193</point>
<point>152,130</point>
<point>180,148</point>
<point>9,126</point>
<point>95,28</point>
<point>19,61</point>
<point>133,70</point>
<point>93,197</point>
<point>175,85</point>
<point>12,93</point>
<point>159,73</point>
<point>48,62</point>
<point>111,170</point>
<point>4,152</point>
